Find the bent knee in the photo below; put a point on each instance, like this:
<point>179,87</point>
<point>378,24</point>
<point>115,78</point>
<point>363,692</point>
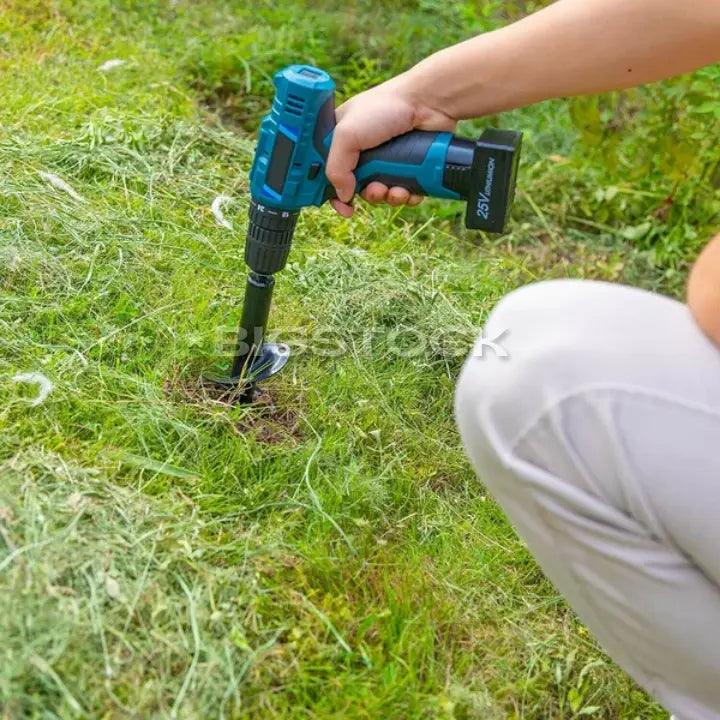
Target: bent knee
<point>556,338</point>
<point>526,347</point>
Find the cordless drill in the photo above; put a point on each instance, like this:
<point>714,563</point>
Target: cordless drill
<point>288,174</point>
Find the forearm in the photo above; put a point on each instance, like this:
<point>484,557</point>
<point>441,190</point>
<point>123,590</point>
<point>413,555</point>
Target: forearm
<point>703,294</point>
<point>571,47</point>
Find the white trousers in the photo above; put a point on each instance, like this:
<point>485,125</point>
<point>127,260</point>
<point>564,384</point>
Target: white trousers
<point>600,437</point>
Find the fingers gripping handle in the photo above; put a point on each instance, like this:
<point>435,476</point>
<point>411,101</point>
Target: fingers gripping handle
<point>481,172</point>
<point>415,161</point>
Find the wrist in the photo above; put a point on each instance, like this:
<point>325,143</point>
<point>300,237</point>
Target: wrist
<point>419,88</point>
<point>422,87</point>
<point>473,78</point>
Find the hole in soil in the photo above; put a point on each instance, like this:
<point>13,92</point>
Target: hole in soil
<point>271,423</point>
<point>267,418</point>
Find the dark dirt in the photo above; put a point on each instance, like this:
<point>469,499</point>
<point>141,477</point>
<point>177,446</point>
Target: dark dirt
<point>271,423</point>
<point>267,418</point>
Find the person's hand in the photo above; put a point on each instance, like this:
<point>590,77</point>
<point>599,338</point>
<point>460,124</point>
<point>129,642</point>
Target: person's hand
<point>367,120</point>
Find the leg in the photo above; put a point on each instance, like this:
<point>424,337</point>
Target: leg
<point>600,437</point>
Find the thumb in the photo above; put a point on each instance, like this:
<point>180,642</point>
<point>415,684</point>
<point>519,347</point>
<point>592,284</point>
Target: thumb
<point>342,160</point>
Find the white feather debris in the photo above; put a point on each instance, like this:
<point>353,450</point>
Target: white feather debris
<point>44,384</point>
<point>112,588</point>
<point>111,65</point>
<point>60,184</point>
<point>216,207</point>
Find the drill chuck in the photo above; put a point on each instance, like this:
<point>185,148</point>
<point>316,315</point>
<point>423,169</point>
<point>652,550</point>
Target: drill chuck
<point>269,237</point>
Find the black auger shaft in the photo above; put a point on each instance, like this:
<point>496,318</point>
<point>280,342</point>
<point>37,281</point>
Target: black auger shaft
<point>253,324</point>
<point>267,247</point>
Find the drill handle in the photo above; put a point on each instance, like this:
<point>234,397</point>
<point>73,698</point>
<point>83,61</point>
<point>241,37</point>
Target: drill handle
<point>441,165</point>
<point>415,161</point>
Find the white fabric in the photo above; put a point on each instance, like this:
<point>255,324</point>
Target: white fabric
<point>600,437</point>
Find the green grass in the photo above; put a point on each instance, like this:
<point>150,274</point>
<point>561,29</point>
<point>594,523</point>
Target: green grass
<point>165,555</point>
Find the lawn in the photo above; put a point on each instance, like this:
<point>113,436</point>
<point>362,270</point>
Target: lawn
<point>328,553</point>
